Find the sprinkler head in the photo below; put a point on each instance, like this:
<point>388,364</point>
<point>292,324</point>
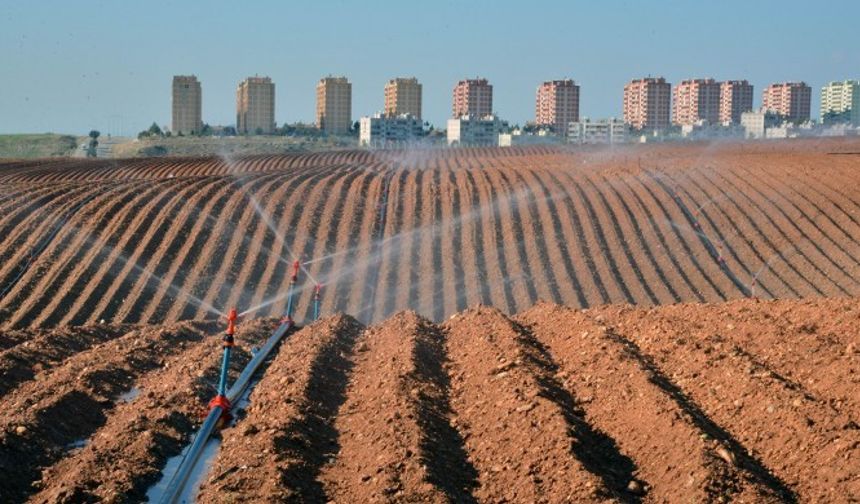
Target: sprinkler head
<point>232,316</point>
<point>296,266</point>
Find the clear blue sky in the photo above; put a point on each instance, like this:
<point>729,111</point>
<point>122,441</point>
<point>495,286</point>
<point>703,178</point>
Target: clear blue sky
<point>69,66</point>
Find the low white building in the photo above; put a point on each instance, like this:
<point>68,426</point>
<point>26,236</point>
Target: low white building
<point>520,137</point>
<point>703,130</point>
<point>469,131</point>
<point>788,129</point>
<point>602,131</point>
<point>394,131</point>
<point>756,123</point>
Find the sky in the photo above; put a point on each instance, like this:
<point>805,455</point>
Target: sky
<point>71,66</point>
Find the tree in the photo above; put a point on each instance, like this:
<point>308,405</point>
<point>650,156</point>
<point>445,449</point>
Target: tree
<point>92,149</point>
<point>153,130</point>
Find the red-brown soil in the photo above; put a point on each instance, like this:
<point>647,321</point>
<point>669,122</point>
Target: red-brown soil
<point>745,401</point>
<point>277,452</point>
<point>666,404</point>
<point>639,365</point>
<point>105,445</point>
<point>432,231</point>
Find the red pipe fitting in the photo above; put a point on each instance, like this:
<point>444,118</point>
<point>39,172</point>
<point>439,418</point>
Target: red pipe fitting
<point>222,402</point>
<point>232,317</point>
<point>295,276</point>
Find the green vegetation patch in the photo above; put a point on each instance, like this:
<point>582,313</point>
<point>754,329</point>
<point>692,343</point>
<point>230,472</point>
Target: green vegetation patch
<point>37,146</point>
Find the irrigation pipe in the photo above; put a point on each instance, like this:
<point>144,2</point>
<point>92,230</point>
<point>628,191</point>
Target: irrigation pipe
<point>220,406</point>
<point>180,479</point>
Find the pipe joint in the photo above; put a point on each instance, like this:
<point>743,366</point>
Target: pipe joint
<point>220,401</point>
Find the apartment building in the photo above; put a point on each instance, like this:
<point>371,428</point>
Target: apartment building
<point>472,97</point>
<point>736,97</point>
<point>403,97</point>
<point>334,105</point>
<point>187,99</point>
<point>840,102</point>
<point>557,105</point>
<point>255,106</point>
<point>790,100</point>
<point>647,103</point>
<point>696,101</point>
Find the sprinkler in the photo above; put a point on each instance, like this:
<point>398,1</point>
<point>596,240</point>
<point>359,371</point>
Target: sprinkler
<point>720,258</point>
<point>228,342</point>
<point>317,301</point>
<point>293,280</point>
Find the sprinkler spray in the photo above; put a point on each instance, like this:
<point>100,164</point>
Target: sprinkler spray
<point>228,342</point>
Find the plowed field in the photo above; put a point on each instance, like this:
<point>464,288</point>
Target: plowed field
<point>750,401</point>
<point>157,241</point>
<point>655,324</point>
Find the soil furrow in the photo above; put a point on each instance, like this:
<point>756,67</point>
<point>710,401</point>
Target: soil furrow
<point>123,457</point>
<point>720,382</point>
<point>522,433</point>
<point>112,270</point>
<point>51,413</point>
<point>384,451</point>
<point>41,350</point>
<point>290,422</point>
<point>619,395</point>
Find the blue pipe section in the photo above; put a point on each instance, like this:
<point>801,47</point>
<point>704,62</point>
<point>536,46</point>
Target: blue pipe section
<point>225,364</point>
<point>290,301</point>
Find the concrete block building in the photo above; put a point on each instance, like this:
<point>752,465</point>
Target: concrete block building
<point>475,131</point>
<point>840,103</point>
<point>187,105</point>
<point>790,100</point>
<point>334,105</point>
<point>647,103</point>
<point>473,98</point>
<point>696,100</point>
<point>382,130</point>
<point>255,106</point>
<point>736,97</point>
<point>557,105</point>
<point>403,97</point>
<point>604,131</point>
